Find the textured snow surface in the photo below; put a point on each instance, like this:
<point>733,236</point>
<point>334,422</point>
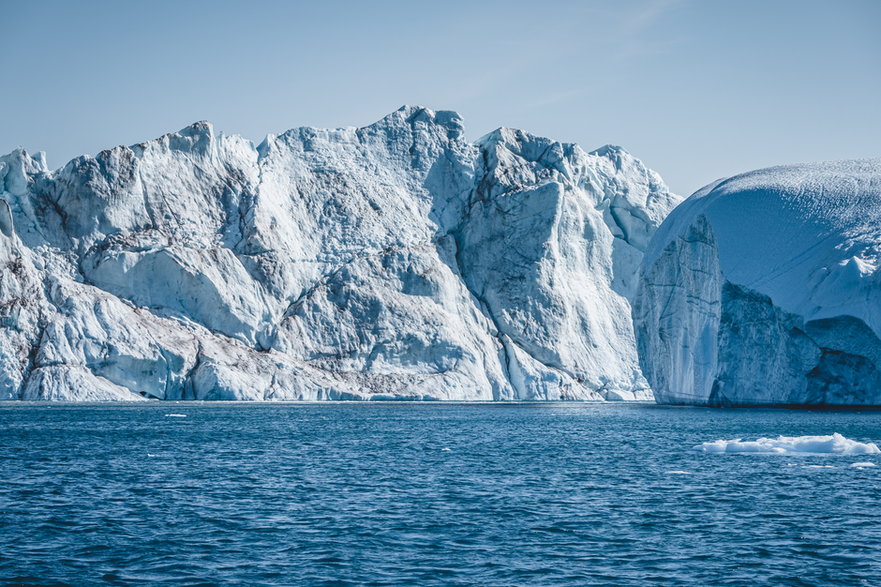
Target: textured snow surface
<point>764,289</point>
<point>396,260</point>
<point>835,444</point>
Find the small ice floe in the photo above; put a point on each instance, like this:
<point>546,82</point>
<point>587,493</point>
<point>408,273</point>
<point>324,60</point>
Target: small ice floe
<point>677,472</point>
<point>862,465</point>
<point>835,444</point>
<point>175,415</point>
<point>445,449</point>
<point>150,455</point>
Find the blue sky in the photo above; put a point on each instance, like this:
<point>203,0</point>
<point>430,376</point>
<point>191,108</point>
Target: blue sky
<point>699,89</point>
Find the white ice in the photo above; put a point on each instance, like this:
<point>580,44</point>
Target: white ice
<point>804,445</point>
<point>397,260</point>
<point>762,289</point>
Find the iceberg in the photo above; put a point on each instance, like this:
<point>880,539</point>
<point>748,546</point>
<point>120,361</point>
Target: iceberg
<point>763,289</point>
<point>793,445</point>
<point>393,261</point>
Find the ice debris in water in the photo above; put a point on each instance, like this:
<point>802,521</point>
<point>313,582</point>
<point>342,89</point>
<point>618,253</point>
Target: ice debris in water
<point>862,465</point>
<point>175,415</point>
<point>835,444</point>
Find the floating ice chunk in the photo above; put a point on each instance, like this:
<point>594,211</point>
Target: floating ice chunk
<point>835,444</point>
<point>175,415</point>
<point>862,465</point>
<point>677,472</point>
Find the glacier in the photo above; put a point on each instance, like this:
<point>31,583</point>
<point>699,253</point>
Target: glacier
<point>393,261</point>
<point>763,289</point>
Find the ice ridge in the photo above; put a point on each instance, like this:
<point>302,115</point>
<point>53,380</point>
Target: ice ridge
<point>397,260</point>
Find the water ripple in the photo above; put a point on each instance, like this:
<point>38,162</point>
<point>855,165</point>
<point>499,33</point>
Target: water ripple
<point>549,494</point>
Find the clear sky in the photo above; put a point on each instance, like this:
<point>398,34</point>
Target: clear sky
<point>699,89</point>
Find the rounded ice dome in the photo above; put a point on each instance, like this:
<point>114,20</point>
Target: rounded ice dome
<point>764,289</point>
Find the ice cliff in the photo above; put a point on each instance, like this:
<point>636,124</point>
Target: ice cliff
<point>396,260</point>
<point>764,289</point>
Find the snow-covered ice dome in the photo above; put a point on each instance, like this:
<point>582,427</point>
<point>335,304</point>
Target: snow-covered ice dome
<point>764,289</point>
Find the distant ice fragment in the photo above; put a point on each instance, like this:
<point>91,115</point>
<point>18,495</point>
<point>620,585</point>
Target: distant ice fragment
<point>862,465</point>
<point>834,444</point>
<point>175,415</point>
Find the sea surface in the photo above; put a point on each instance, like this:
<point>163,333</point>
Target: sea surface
<point>430,494</point>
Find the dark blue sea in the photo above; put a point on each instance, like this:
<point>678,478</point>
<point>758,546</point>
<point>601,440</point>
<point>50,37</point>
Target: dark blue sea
<point>429,494</point>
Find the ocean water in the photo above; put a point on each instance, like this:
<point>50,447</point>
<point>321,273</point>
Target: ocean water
<point>430,494</point>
